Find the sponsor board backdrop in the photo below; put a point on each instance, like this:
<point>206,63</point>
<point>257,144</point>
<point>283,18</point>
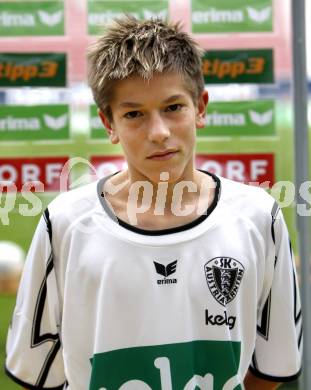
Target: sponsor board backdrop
<point>100,12</point>
<point>28,173</point>
<point>246,44</point>
<point>33,123</point>
<point>252,168</point>
<point>33,18</point>
<point>219,16</point>
<point>32,70</point>
<point>238,66</point>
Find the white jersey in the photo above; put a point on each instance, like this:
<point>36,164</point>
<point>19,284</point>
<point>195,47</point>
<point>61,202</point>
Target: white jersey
<point>106,306</point>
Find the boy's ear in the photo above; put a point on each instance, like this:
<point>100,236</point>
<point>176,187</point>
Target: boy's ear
<point>201,110</point>
<point>109,127</point>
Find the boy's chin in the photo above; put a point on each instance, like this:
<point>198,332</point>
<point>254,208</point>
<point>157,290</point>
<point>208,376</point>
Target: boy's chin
<point>168,175</point>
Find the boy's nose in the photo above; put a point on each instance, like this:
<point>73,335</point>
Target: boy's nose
<point>158,129</point>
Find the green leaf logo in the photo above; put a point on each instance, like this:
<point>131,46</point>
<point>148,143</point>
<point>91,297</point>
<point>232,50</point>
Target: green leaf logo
<point>50,19</point>
<point>55,123</point>
<point>259,16</point>
<point>261,119</point>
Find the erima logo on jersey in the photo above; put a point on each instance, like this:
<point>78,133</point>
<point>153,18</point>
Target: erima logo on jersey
<point>166,270</point>
<point>223,276</point>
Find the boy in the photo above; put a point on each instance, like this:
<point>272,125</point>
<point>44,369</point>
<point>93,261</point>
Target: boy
<point>160,276</point>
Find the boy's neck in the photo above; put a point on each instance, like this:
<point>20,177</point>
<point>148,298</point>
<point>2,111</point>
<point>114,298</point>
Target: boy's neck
<point>159,203</point>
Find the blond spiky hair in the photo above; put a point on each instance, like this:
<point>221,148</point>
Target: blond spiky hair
<point>132,47</point>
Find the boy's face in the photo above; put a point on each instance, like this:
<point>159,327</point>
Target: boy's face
<point>155,122</point>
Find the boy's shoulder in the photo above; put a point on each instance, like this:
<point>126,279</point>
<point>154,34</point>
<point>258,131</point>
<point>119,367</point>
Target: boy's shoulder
<point>246,199</point>
<point>74,203</point>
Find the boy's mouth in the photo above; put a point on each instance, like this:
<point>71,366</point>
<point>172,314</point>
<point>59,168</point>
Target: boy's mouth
<point>163,154</point>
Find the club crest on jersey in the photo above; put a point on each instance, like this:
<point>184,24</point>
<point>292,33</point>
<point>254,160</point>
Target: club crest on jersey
<point>223,276</point>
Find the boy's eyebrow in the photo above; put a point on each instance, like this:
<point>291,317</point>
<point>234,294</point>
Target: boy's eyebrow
<point>130,104</point>
<point>173,98</point>
<point>136,105</point>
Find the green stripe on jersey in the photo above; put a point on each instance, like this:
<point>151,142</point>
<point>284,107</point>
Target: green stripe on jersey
<point>206,365</point>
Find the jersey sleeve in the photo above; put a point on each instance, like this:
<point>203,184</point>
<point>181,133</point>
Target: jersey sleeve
<point>277,355</point>
<point>33,349</point>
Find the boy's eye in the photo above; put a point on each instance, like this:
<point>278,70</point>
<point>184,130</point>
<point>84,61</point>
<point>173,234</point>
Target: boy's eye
<point>132,114</point>
<point>174,107</point>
